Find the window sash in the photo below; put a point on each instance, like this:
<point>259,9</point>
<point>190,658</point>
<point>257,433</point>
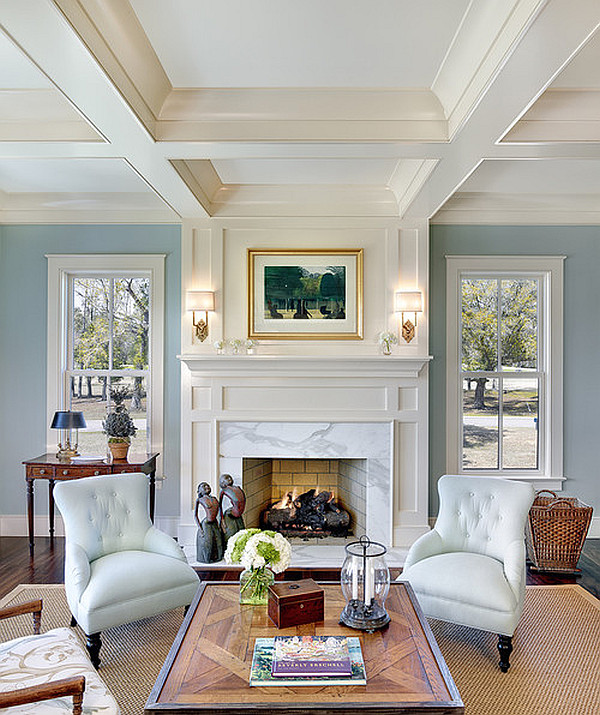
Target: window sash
<point>549,271</point>
<point>60,268</point>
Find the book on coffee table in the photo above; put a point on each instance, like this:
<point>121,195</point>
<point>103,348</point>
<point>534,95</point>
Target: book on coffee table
<point>261,672</point>
<point>315,656</point>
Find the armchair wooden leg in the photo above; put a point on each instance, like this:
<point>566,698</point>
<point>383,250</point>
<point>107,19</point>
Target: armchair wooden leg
<point>505,649</point>
<point>93,643</point>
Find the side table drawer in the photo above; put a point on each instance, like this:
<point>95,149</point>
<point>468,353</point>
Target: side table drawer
<point>40,472</point>
<point>78,471</point>
<point>122,469</point>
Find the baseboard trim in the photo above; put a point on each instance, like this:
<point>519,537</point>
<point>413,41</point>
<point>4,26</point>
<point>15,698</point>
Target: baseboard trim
<point>16,525</point>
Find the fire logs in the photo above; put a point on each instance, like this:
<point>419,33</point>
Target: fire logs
<point>307,515</point>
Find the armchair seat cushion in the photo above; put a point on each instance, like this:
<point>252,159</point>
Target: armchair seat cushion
<point>40,659</point>
<point>466,588</point>
<point>128,585</point>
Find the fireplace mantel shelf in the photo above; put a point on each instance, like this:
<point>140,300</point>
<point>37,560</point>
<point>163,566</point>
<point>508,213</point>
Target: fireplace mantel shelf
<point>296,365</point>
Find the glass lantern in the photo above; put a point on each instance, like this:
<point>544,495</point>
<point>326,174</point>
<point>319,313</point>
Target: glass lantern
<point>365,581</point>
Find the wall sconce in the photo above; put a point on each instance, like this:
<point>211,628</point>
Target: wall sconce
<point>202,300</point>
<point>66,422</point>
<point>408,302</point>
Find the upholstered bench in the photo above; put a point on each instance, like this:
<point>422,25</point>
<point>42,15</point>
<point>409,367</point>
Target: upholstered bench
<point>44,674</point>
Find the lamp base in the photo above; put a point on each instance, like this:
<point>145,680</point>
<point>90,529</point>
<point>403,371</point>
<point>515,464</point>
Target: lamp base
<point>364,618</point>
<point>67,451</point>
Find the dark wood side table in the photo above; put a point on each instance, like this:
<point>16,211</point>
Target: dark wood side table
<point>48,467</point>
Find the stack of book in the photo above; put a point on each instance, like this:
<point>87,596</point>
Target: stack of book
<point>307,660</point>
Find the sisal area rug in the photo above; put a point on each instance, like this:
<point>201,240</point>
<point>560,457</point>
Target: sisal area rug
<point>554,667</point>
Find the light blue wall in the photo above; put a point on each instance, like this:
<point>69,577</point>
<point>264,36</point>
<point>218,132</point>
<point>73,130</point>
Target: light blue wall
<point>581,245</point>
<point>23,328</point>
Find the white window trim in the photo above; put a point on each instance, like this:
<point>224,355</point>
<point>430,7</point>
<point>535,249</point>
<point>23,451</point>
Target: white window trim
<point>550,270</point>
<point>60,268</point>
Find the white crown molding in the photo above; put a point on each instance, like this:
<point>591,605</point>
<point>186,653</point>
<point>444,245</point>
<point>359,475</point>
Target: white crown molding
<point>111,216</point>
<point>512,209</point>
<point>112,33</point>
<point>307,114</point>
<point>481,44</point>
<point>301,200</point>
<point>560,115</point>
<point>409,178</point>
<point>41,115</point>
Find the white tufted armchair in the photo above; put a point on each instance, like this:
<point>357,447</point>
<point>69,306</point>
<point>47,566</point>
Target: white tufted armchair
<point>118,566</point>
<point>470,569</point>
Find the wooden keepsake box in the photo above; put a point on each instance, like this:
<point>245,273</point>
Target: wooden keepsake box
<point>292,603</point>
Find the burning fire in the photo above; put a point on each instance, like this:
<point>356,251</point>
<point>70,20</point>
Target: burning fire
<point>287,500</point>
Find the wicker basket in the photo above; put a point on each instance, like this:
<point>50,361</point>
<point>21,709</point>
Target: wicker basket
<point>556,530</point>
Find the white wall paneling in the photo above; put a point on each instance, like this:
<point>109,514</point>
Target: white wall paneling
<point>312,382</point>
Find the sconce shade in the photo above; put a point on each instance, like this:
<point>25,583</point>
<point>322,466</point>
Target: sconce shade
<point>200,300</point>
<point>408,302</point>
<point>68,420</point>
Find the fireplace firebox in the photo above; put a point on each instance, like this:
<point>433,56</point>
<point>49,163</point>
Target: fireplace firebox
<point>306,498</point>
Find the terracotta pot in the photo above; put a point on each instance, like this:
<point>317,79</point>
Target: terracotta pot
<point>119,450</point>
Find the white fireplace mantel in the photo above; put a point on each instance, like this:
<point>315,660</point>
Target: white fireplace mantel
<point>291,365</point>
<point>236,406</point>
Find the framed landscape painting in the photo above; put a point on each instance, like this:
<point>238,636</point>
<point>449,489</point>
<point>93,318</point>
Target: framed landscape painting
<point>305,295</point>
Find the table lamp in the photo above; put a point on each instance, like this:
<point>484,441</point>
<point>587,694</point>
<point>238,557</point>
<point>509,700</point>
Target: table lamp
<point>67,421</point>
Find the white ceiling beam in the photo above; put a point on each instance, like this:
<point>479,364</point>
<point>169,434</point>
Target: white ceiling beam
<point>559,31</point>
<point>53,46</point>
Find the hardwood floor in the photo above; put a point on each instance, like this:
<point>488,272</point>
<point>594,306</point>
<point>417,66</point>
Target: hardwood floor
<point>47,566</point>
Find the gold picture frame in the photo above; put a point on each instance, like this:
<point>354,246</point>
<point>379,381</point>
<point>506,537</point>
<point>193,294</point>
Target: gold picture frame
<point>305,294</point>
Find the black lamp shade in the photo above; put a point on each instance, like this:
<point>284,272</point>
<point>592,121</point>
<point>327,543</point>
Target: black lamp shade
<point>68,420</point>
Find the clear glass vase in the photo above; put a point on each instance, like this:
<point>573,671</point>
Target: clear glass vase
<point>254,585</point>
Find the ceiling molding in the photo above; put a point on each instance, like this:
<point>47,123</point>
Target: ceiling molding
<point>409,178</point>
<point>201,179</point>
<point>300,200</point>
<point>480,46</point>
<point>112,33</point>
<point>511,209</point>
<point>41,115</point>
<point>274,115</point>
<point>560,115</point>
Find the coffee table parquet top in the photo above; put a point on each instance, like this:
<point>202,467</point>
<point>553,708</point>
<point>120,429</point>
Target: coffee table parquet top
<point>208,667</point>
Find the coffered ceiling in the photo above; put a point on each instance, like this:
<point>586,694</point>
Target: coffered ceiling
<point>153,111</point>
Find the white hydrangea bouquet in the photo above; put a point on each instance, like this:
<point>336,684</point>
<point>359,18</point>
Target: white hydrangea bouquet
<point>262,554</point>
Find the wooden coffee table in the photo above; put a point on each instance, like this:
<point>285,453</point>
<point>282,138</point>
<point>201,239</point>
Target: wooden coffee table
<point>208,666</point>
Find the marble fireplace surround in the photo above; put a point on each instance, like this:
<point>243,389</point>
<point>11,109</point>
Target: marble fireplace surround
<point>370,441</point>
<point>364,407</point>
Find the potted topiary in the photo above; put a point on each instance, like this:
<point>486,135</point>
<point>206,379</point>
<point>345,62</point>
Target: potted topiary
<point>118,425</point>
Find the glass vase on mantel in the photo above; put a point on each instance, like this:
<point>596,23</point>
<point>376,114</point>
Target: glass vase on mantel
<point>254,586</point>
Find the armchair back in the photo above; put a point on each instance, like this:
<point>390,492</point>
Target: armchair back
<point>482,514</point>
<point>105,514</point>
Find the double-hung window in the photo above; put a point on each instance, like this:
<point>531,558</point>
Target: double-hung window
<point>504,366</point>
<point>105,342</point>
